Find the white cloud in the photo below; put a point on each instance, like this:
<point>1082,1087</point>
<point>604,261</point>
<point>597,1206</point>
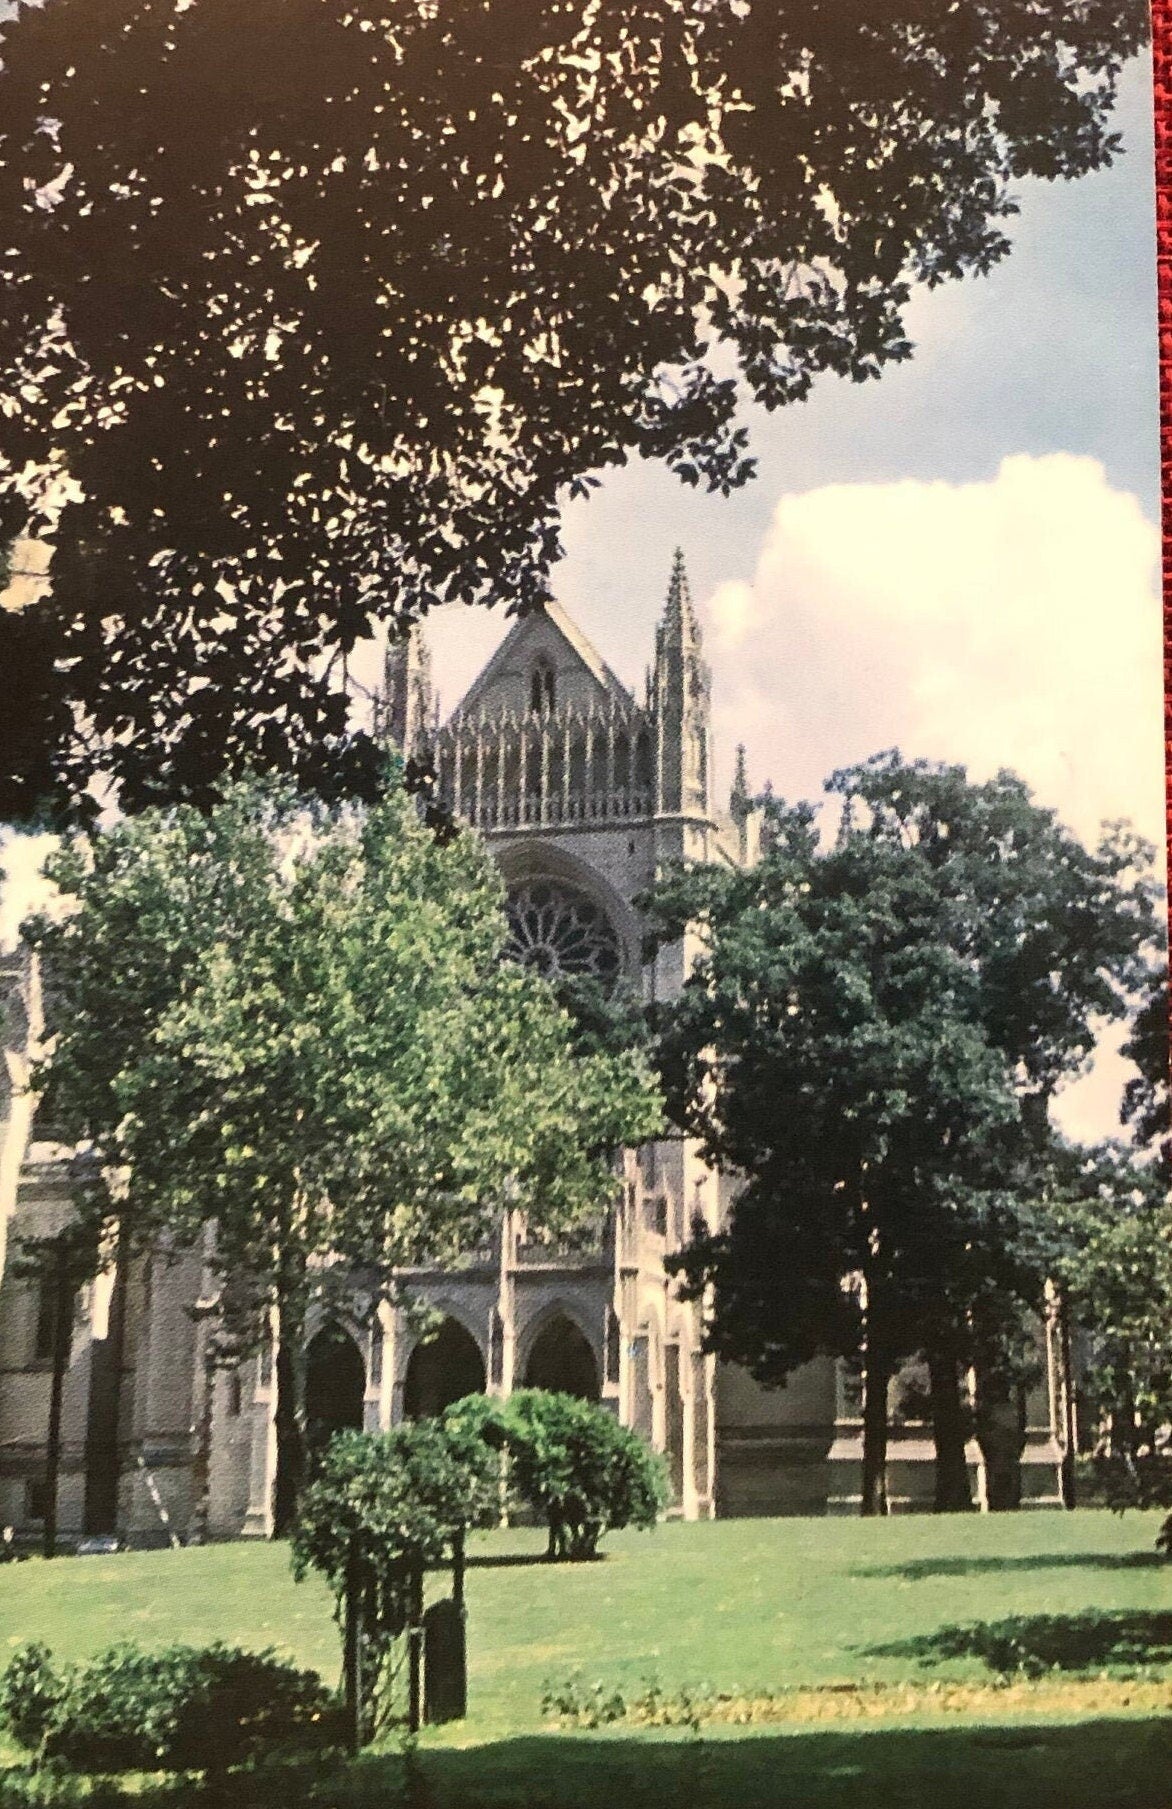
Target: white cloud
<point>1014,623</point>
<point>1009,623</point>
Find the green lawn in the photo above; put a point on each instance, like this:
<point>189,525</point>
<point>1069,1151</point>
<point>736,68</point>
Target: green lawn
<point>745,1607</point>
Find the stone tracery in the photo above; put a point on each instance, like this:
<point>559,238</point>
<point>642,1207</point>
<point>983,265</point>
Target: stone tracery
<point>560,932</point>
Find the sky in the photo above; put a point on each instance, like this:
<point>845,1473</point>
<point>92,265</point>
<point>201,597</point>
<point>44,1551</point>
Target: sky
<point>960,559</point>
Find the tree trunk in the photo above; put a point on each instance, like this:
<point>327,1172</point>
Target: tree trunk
<point>415,1652</point>
<point>876,1377</point>
<point>62,1345</point>
<point>208,1313</point>
<point>353,1682</point>
<point>949,1432</point>
<point>1001,1435</point>
<point>103,1453</point>
<point>1069,1406</point>
<point>288,1419</point>
<point>202,1466</point>
<point>1122,1423</point>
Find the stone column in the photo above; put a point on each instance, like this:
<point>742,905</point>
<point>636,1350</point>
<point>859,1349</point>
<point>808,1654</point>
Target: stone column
<point>641,1402</point>
<point>588,777</point>
<point>385,1324</point>
<point>544,800</point>
<point>262,1468</point>
<point>610,763</point>
<point>458,770</point>
<point>478,795</point>
<point>506,1304</point>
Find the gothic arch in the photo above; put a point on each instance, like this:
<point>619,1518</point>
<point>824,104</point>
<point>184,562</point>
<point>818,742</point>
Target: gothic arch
<point>651,1323</point>
<point>335,1387</point>
<point>644,778</point>
<point>542,686</point>
<point>534,860</point>
<point>322,1316</point>
<point>558,1355</point>
<point>442,1369</point>
<point>448,1304</point>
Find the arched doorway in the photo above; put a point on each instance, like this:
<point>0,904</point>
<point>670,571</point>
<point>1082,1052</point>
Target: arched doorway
<point>561,1360</point>
<point>335,1387</point>
<point>441,1370</point>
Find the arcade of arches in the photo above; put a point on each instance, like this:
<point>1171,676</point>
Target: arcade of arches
<point>448,1365</point>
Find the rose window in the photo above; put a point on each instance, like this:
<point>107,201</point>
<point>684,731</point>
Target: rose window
<point>559,931</point>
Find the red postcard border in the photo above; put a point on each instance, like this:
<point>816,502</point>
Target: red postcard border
<point>1162,78</point>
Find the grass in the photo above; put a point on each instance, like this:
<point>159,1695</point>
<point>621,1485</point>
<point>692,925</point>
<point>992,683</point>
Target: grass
<point>891,1637</point>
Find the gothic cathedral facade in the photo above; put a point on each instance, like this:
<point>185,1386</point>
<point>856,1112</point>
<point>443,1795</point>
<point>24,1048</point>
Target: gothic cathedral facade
<point>582,793</point>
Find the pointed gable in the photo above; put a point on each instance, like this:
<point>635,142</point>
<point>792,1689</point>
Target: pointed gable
<point>544,641</point>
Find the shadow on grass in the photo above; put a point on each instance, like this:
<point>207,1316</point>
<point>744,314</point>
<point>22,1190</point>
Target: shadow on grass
<point>506,1560</point>
<point>918,1568</point>
<point>1105,1764</point>
<point>1029,1644</point>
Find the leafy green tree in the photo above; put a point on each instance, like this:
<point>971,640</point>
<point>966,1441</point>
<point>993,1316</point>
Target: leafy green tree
<point>873,1036</point>
<point>1058,935</point>
<point>572,1463</point>
<point>292,1021</point>
<point>1114,1218</point>
<point>316,309</point>
<point>827,1047</point>
<point>1146,1106</point>
<point>380,1510</point>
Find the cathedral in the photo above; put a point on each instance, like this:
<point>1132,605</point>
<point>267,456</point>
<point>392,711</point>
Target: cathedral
<point>582,792</point>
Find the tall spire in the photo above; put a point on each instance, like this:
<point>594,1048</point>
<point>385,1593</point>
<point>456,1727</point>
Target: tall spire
<point>740,788</point>
<point>743,811</point>
<point>405,710</point>
<point>678,616</point>
<point>680,694</point>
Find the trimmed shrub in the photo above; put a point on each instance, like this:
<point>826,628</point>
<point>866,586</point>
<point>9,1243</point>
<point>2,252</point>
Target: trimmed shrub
<point>181,1709</point>
<point>383,1507</point>
<point>469,1424</point>
<point>30,1694</point>
<point>581,1471</point>
<point>383,1503</point>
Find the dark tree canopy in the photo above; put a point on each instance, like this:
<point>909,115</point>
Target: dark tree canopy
<point>315,312</point>
<point>1112,1225</point>
<point>828,1047</point>
<point>1146,1105</point>
<point>870,1038</point>
<point>1059,934</point>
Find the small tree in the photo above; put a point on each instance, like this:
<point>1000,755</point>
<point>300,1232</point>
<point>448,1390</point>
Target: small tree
<point>292,1022</point>
<point>380,1510</point>
<point>1116,1274</point>
<point>572,1463</point>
